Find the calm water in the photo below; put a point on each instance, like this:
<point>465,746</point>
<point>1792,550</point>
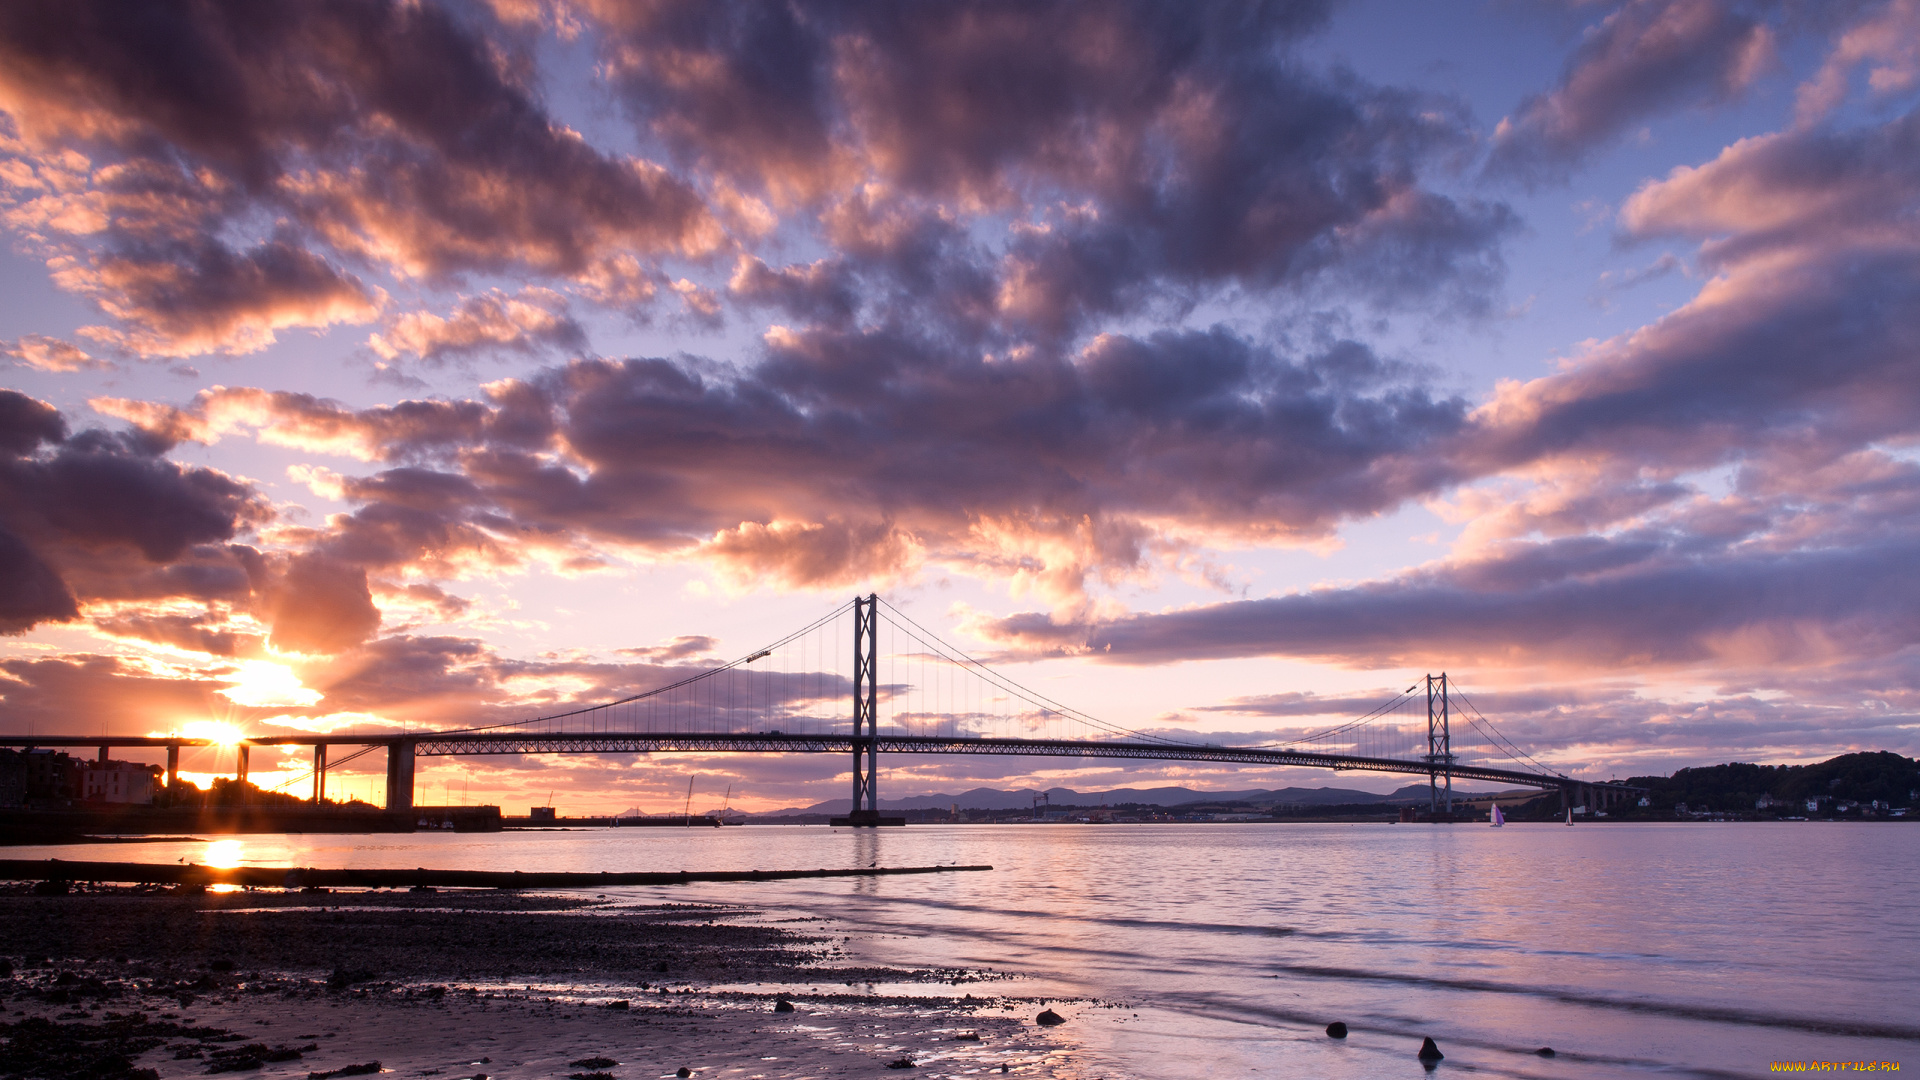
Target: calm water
<point>1675,950</point>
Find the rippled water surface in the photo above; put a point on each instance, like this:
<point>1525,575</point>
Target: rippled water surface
<point>1683,949</point>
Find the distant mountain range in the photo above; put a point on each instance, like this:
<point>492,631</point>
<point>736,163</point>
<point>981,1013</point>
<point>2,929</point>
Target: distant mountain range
<point>994,799</point>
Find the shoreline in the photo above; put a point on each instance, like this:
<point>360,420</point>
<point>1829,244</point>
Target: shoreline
<point>459,983</point>
<point>58,872</point>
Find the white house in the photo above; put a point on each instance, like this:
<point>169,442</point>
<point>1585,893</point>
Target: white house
<point>117,782</point>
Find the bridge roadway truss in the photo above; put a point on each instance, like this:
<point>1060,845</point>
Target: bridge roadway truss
<point>560,743</point>
<point>403,749</point>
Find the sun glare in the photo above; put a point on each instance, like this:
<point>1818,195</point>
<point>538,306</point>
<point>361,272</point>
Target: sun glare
<point>263,684</point>
<point>223,854</point>
<point>215,731</point>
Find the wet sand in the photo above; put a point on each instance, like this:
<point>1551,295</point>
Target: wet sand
<point>465,983</point>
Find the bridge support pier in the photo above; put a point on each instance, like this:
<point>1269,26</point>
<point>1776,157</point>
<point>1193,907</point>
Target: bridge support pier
<point>319,774</point>
<point>865,811</point>
<point>240,763</point>
<point>173,765</point>
<point>400,777</point>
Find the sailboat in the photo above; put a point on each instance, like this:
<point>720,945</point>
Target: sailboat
<point>1499,818</point>
<point>1569,815</point>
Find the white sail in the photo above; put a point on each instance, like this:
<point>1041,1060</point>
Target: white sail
<point>1499,818</point>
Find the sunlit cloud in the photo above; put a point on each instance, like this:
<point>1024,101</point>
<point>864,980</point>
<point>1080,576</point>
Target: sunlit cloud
<point>266,684</point>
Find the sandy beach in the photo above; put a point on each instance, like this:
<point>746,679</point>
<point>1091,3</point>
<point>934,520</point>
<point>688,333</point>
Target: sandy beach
<point>122,983</point>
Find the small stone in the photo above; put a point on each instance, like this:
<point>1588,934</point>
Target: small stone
<point>622,1004</point>
<point>1336,1030</point>
<point>1049,1018</point>
<point>684,1071</point>
<point>1428,1051</point>
<point>1545,1051</point>
<point>783,1006</point>
<point>901,1063</point>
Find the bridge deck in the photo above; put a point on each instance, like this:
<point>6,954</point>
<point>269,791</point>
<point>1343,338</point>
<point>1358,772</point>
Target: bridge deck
<point>497,742</point>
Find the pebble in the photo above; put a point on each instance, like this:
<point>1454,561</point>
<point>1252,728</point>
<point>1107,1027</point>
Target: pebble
<point>783,1006</point>
<point>1337,1030</point>
<point>1545,1051</point>
<point>1428,1051</point>
<point>1049,1018</point>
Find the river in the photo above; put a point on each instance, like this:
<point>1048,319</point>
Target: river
<point>1631,950</point>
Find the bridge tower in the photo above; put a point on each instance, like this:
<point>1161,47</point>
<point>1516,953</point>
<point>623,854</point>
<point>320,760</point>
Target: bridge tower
<point>1439,746</point>
<point>866,716</point>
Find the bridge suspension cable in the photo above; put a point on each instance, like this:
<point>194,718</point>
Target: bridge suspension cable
<point>669,687</point>
<point>1499,740</point>
<point>927,639</point>
<point>919,693</point>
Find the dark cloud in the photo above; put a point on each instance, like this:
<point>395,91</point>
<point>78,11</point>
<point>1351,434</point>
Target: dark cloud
<point>98,490</point>
<point>823,292</point>
<point>31,592</point>
<point>396,133</point>
<point>205,633</point>
<point>199,295</point>
<point>26,423</point>
<point>1134,147</point>
<point>1575,604</point>
<point>848,454</point>
<point>98,516</point>
<point>1645,58</point>
<point>1806,335</point>
<point>680,648</point>
<point>46,693</point>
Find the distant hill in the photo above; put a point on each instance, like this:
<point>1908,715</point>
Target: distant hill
<point>1737,787</point>
<point>995,799</point>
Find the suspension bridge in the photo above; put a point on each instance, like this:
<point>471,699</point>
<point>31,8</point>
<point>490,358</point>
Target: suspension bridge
<point>866,680</point>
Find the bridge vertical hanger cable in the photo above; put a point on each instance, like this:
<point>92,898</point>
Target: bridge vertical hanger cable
<point>1501,742</point>
<point>1040,702</point>
<point>658,691</point>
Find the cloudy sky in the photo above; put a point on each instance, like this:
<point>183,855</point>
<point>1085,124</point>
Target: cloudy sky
<point>1215,367</point>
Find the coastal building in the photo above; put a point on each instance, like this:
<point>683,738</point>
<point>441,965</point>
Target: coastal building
<point>53,778</point>
<point>13,779</point>
<point>119,782</point>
